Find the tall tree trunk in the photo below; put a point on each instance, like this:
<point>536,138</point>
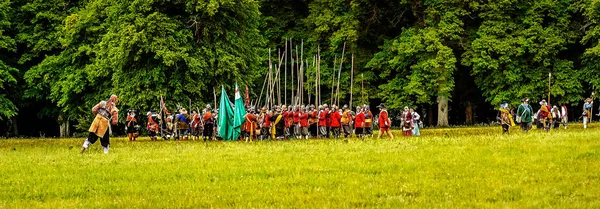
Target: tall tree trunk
<point>15,128</point>
<point>430,116</point>
<point>469,114</point>
<point>442,111</point>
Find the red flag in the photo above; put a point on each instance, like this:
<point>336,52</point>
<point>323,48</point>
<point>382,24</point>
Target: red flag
<point>247,97</point>
<point>162,105</point>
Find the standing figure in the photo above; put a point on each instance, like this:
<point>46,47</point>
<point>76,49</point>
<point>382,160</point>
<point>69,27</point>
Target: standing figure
<point>323,113</point>
<point>265,124</point>
<point>346,120</point>
<point>183,120</point>
<point>296,122</point>
<point>524,115</point>
<point>304,123</point>
<point>415,121</point>
<point>152,125</point>
<point>557,117</point>
<point>277,125</point>
<point>587,111</point>
<point>105,111</point>
<point>196,125</point>
<point>407,122</point>
<point>251,123</point>
<point>544,115</point>
<point>131,126</point>
<point>335,121</point>
<point>313,121</point>
<point>359,123</point>
<point>208,120</point>
<point>384,122</point>
<point>505,118</point>
<point>564,114</point>
<point>368,127</point>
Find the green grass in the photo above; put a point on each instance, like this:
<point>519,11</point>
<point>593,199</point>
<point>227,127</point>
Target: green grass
<point>445,168</point>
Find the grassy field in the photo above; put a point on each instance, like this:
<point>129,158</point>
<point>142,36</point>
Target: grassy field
<point>445,168</point>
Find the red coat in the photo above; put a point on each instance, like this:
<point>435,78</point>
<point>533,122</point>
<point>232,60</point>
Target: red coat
<point>335,119</point>
<point>323,117</point>
<point>383,119</point>
<point>251,120</point>
<point>288,118</point>
<point>304,120</point>
<point>359,120</point>
<point>297,115</point>
<point>266,122</point>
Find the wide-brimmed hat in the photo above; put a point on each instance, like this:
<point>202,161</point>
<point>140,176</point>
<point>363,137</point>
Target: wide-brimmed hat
<point>382,106</point>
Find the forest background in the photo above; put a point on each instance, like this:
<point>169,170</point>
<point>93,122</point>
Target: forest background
<point>453,60</point>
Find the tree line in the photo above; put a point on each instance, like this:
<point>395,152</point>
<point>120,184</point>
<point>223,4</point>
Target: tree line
<point>454,59</point>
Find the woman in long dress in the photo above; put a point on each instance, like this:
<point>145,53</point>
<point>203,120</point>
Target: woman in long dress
<point>415,121</point>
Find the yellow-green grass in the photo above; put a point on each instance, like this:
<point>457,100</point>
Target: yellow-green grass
<point>444,168</point>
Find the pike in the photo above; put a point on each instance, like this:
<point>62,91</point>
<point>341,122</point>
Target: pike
<point>333,80</point>
<point>549,77</point>
<point>285,74</point>
<point>340,74</point>
<point>351,80</point>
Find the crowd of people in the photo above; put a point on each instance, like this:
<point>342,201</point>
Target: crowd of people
<point>305,121</point>
<point>546,117</point>
<point>277,123</point>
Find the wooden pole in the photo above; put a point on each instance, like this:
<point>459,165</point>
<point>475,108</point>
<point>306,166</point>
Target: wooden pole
<point>285,74</point>
<point>351,80</point>
<point>549,76</point>
<point>279,78</point>
<point>333,80</point>
<point>362,88</point>
<point>340,75</point>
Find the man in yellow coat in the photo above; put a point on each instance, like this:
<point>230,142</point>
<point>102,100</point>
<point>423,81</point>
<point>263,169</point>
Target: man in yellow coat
<point>105,111</point>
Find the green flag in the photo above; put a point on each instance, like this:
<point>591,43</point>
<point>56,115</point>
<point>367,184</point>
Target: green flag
<point>239,113</point>
<point>224,121</point>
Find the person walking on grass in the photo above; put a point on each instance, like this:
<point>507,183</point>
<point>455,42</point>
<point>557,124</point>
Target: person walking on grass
<point>544,115</point>
<point>407,122</point>
<point>384,122</point>
<point>564,114</point>
<point>587,111</point>
<point>415,119</point>
<point>524,113</point>
<point>505,118</point>
<point>105,111</point>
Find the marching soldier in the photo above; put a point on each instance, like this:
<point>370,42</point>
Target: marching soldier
<point>313,120</point>
<point>152,125</point>
<point>359,122</point>
<point>131,126</point>
<point>368,126</point>
<point>304,123</point>
<point>182,120</point>
<point>346,120</point>
<point>296,124</point>
<point>208,121</point>
<point>265,124</point>
<point>277,125</point>
<point>335,117</point>
<point>384,122</point>
<point>323,113</point>
<point>251,123</point>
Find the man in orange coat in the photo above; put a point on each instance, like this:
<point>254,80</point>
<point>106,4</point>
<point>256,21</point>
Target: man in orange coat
<point>384,122</point>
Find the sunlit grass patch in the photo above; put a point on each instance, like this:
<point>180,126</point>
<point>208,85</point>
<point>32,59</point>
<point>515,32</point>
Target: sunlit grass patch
<point>463,167</point>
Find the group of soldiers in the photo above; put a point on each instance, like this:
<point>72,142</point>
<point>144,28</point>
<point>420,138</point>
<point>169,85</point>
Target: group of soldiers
<point>545,118</point>
<point>277,123</point>
<point>307,121</point>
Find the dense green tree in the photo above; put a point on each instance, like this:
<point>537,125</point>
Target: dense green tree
<point>420,62</point>
<point>518,44</point>
<point>7,72</point>
<point>591,26</point>
<point>143,49</point>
